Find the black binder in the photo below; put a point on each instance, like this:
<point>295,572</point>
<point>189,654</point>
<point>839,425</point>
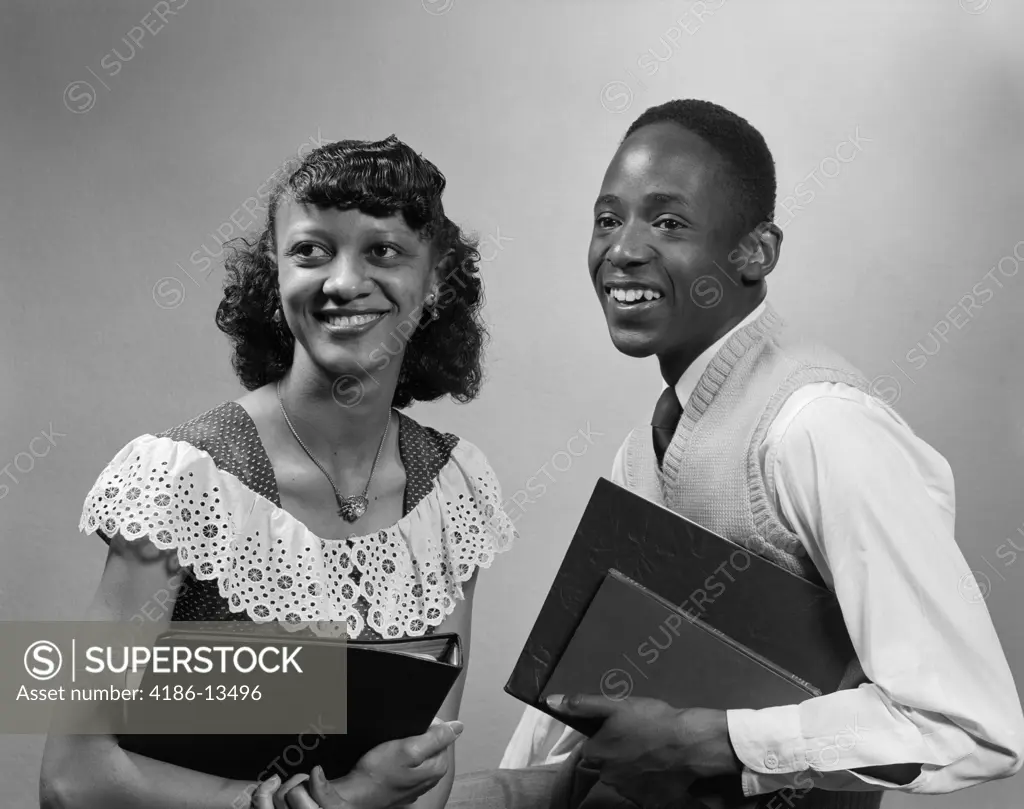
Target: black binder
<point>792,623</point>
<point>395,688</point>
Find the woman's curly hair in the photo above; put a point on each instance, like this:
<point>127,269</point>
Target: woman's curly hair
<point>443,356</point>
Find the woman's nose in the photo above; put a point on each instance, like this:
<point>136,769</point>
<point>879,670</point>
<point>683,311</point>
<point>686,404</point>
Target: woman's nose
<point>346,277</point>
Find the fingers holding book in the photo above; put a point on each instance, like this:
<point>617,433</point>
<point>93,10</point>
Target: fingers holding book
<point>639,735</point>
<point>402,770</point>
<point>272,794</point>
<point>395,773</point>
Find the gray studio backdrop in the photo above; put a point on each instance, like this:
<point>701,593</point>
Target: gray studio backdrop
<point>135,135</point>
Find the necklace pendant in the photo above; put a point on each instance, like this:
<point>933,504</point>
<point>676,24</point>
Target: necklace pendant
<point>352,508</point>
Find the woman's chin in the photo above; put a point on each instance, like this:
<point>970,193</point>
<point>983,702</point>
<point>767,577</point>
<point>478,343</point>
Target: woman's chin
<point>366,364</point>
<point>340,360</point>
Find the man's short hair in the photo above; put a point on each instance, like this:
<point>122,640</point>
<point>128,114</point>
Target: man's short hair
<point>750,163</point>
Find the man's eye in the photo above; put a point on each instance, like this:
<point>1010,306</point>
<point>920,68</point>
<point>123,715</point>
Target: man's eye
<point>606,221</point>
<point>670,224</point>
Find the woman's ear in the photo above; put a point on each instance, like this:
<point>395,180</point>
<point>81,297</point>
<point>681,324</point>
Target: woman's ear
<point>268,248</point>
<point>443,269</point>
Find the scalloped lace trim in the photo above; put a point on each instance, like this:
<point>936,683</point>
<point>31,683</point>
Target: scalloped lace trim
<point>271,566</point>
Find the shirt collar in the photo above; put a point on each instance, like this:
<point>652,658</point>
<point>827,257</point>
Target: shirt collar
<point>691,376</point>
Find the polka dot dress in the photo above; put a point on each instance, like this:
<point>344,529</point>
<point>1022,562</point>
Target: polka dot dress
<point>229,436</point>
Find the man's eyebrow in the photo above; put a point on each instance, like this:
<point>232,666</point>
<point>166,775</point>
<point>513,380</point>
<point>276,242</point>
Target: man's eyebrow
<point>659,197</point>
<point>663,197</point>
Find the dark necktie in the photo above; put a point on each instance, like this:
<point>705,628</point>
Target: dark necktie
<point>665,420</point>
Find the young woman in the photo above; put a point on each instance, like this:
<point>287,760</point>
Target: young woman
<point>359,298</point>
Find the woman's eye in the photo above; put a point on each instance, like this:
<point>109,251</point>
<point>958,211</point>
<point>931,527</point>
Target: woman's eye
<point>309,250</point>
<point>383,251</point>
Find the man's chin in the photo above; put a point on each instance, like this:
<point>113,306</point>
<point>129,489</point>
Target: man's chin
<point>632,344</point>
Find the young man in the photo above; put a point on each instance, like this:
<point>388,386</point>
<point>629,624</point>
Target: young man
<point>781,446</point>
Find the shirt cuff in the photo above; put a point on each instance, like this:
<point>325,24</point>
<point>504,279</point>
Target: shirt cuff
<point>757,784</point>
<point>798,783</point>
<point>768,741</point>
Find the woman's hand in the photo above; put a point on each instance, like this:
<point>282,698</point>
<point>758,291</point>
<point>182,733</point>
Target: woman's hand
<point>392,774</point>
<point>272,794</point>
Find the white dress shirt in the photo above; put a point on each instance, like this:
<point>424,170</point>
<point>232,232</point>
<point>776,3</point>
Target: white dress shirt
<point>873,505</point>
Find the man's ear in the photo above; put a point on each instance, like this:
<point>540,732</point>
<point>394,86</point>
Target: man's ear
<point>757,252</point>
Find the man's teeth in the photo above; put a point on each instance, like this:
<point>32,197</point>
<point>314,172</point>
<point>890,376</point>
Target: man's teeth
<point>351,320</point>
<point>632,295</point>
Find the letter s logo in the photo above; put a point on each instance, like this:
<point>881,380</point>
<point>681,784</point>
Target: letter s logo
<point>43,660</point>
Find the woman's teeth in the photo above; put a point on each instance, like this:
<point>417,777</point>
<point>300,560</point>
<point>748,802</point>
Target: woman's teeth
<point>344,321</point>
<point>633,295</point>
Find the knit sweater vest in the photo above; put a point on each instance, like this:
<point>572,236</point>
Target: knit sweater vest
<point>711,473</point>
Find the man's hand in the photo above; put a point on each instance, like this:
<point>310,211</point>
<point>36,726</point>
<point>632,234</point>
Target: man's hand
<point>646,744</point>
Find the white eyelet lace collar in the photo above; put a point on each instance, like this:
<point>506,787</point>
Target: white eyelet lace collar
<point>272,567</point>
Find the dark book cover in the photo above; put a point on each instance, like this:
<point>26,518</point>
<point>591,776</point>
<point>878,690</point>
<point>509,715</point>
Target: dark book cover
<point>781,617</point>
<point>376,691</point>
<point>633,643</point>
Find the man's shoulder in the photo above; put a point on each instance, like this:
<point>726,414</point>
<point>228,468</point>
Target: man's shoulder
<point>804,370</point>
<point>800,350</point>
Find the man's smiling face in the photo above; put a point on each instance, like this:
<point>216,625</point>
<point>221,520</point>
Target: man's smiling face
<point>664,225</point>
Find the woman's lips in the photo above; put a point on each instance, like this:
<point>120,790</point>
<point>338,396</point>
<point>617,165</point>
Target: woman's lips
<point>349,324</point>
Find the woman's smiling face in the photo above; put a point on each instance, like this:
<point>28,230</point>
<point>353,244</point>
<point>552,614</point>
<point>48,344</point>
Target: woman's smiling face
<point>352,285</point>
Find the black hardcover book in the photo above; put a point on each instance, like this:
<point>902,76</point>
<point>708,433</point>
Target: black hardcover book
<point>382,690</point>
<point>791,622</point>
<point>632,642</point>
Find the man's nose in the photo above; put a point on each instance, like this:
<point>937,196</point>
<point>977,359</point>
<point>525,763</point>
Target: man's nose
<point>630,247</point>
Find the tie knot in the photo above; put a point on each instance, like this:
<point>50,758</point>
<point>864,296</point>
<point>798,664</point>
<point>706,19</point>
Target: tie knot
<point>667,411</point>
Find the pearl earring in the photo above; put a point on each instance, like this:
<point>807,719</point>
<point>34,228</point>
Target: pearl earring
<point>430,301</point>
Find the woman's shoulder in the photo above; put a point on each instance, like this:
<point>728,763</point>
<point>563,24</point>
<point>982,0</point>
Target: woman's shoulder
<point>428,454</point>
<point>228,435</point>
<point>216,450</point>
<point>218,429</point>
<point>420,444</point>
<point>456,476</point>
<point>224,436</point>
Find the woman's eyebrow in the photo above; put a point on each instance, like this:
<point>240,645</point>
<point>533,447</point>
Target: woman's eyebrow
<point>391,232</point>
<point>306,228</point>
